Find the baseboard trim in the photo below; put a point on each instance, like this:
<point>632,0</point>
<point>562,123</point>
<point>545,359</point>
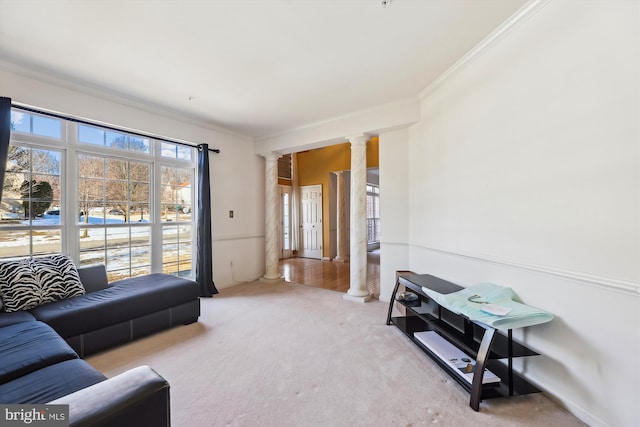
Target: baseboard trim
<point>568,403</point>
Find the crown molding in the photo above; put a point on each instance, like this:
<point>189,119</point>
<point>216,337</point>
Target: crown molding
<point>110,95</point>
<point>517,19</point>
<point>350,115</point>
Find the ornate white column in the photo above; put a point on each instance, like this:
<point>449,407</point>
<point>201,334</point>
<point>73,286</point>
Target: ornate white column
<point>272,204</point>
<point>358,247</point>
<point>341,228</point>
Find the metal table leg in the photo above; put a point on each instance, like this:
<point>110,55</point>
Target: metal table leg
<point>392,301</point>
<point>481,363</point>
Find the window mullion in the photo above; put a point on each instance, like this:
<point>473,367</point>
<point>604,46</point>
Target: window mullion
<point>69,194</point>
<point>156,210</point>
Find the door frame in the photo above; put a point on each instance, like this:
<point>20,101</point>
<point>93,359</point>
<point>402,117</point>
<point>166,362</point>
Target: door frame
<point>301,252</point>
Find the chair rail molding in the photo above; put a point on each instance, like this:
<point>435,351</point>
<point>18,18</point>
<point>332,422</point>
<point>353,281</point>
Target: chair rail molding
<point>610,284</point>
<point>237,237</point>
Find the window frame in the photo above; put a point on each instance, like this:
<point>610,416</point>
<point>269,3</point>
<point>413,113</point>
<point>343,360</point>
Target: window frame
<point>38,145</point>
<point>70,148</point>
<point>373,194</point>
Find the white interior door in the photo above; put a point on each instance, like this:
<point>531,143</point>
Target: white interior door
<point>311,221</point>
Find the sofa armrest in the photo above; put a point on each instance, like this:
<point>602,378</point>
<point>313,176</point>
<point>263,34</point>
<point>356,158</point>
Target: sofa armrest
<point>93,277</point>
<point>137,397</point>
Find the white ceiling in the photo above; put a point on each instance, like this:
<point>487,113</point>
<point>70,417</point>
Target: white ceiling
<point>257,67</point>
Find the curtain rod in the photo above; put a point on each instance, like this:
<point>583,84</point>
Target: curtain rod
<point>86,122</point>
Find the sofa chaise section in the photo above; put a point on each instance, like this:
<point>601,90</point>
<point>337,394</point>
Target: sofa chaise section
<point>122,311</point>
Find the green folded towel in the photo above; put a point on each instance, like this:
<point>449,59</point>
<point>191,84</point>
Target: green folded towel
<point>473,301</point>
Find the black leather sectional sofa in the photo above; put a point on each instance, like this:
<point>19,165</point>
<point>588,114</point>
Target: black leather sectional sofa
<point>108,315</point>
<point>41,348</point>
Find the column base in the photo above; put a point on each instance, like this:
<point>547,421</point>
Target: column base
<point>272,279</point>
<point>341,259</point>
<point>362,299</point>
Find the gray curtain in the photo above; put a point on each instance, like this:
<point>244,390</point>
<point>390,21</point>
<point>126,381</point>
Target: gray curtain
<point>5,132</point>
<point>204,263</point>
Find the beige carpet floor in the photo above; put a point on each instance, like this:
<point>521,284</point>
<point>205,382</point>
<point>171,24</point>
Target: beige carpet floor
<point>290,355</point>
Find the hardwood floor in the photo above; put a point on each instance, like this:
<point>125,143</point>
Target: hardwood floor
<point>329,274</point>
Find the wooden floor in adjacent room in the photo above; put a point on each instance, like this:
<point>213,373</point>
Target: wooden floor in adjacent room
<point>330,274</point>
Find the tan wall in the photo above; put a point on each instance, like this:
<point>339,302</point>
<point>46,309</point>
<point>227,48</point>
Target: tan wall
<point>314,167</point>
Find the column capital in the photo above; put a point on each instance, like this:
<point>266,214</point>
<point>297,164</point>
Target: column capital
<point>361,138</point>
<point>271,155</point>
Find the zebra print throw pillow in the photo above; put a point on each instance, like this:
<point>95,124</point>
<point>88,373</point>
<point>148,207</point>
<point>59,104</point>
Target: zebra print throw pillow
<point>19,287</point>
<point>58,277</point>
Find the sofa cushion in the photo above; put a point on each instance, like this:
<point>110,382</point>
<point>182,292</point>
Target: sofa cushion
<point>19,287</point>
<point>27,283</point>
<point>7,319</point>
<point>124,300</point>
<point>28,346</point>
<point>93,277</point>
<point>58,277</point>
<point>50,382</point>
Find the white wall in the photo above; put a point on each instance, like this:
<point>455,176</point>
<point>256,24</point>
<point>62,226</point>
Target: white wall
<point>237,173</point>
<point>393,151</point>
<point>238,242</point>
<point>525,171</point>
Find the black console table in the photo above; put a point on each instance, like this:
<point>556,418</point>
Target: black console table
<point>432,327</point>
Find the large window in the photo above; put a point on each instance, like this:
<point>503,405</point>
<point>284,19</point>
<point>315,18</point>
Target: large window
<point>101,195</point>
